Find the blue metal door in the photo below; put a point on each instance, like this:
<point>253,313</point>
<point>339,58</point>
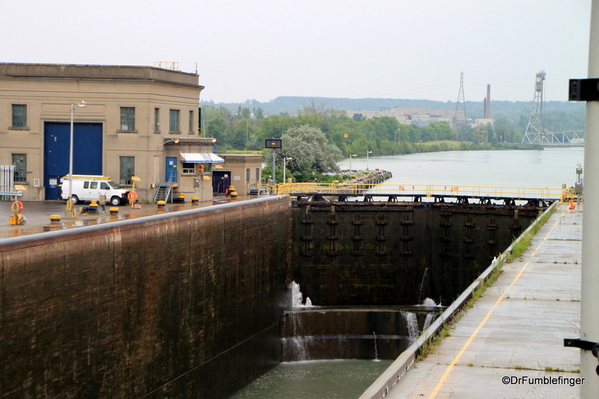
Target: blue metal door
<point>171,169</point>
<point>87,152</point>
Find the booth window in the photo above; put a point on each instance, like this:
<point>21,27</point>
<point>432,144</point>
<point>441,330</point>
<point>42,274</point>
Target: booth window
<point>127,119</point>
<point>188,168</point>
<point>127,169</point>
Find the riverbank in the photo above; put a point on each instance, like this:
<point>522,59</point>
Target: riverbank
<point>450,145</point>
<point>366,176</point>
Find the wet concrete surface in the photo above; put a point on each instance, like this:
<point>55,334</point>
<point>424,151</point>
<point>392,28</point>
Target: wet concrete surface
<point>514,333</point>
<point>37,214</point>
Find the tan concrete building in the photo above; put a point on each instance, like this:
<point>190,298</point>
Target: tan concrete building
<point>239,170</point>
<point>127,121</point>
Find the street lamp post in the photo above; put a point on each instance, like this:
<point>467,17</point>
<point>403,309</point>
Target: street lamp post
<point>82,104</point>
<point>350,157</point>
<point>367,152</point>
<point>285,168</point>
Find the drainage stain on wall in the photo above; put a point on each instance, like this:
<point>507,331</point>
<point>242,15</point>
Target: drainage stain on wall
<point>157,307</point>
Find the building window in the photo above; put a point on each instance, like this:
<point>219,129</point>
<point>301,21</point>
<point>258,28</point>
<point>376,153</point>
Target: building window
<point>247,175</point>
<point>258,177</point>
<point>157,120</point>
<point>127,169</point>
<point>127,119</point>
<point>190,122</point>
<point>174,120</point>
<point>188,168</point>
<point>20,162</point>
<point>19,115</point>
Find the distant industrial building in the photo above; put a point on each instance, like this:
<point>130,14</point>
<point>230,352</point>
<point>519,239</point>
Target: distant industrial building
<point>421,116</point>
<point>411,116</point>
<point>424,117</point>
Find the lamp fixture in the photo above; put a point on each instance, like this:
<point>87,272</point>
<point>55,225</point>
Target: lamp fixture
<point>175,141</point>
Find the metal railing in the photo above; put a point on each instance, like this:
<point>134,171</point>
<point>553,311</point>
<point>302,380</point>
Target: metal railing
<point>425,190</point>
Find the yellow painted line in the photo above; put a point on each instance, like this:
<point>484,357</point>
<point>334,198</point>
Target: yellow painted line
<point>483,322</point>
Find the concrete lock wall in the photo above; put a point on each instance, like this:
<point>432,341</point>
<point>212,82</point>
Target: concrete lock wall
<point>192,302</point>
<point>149,308</point>
<point>397,253</point>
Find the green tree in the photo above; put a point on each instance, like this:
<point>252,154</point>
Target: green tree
<point>258,113</point>
<point>311,152</point>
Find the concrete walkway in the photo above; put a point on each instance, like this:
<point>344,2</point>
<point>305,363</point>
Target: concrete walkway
<point>38,214</point>
<point>510,344</point>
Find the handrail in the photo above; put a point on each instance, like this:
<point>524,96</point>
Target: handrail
<point>427,190</point>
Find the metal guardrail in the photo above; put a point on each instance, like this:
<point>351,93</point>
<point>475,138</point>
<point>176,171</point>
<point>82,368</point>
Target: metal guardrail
<point>425,190</point>
<point>10,195</point>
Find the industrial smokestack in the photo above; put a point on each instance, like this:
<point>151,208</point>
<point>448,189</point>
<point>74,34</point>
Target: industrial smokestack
<point>488,102</point>
<point>485,107</point>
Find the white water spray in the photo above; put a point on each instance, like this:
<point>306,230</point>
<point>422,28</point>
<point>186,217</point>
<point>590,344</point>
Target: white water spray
<point>376,351</point>
<point>297,298</point>
<point>429,302</point>
<point>411,326</point>
<point>300,344</point>
<point>428,321</point>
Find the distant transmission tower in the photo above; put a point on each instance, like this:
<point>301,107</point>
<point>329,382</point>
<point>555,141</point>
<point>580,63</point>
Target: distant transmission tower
<point>460,108</point>
<point>534,133</point>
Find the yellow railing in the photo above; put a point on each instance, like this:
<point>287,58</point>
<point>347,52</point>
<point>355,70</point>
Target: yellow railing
<point>427,190</point>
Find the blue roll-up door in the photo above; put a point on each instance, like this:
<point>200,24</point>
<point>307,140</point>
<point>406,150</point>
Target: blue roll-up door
<point>87,153</point>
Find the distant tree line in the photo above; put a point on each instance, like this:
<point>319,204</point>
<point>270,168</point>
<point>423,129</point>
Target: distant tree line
<point>317,137</point>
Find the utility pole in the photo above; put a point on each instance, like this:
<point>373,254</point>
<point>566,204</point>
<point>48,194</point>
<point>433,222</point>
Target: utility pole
<point>460,108</point>
<point>275,144</point>
<point>588,90</point>
<point>589,317</point>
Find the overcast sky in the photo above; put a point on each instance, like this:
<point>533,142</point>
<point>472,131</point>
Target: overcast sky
<point>263,49</point>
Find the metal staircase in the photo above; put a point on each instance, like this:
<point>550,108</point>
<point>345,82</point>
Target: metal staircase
<point>163,191</point>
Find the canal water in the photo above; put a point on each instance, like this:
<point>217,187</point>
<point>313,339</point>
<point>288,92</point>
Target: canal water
<point>323,379</point>
<point>549,168</point>
<point>347,379</point>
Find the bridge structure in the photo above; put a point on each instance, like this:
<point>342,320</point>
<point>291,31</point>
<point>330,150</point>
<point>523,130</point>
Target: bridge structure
<point>546,138</point>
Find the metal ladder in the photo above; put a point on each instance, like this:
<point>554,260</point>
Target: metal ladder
<point>163,191</point>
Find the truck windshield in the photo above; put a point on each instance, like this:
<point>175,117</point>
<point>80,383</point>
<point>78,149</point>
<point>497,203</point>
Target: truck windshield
<point>113,184</point>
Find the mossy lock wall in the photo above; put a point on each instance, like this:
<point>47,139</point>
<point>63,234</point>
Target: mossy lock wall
<point>190,304</point>
<point>181,305</point>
